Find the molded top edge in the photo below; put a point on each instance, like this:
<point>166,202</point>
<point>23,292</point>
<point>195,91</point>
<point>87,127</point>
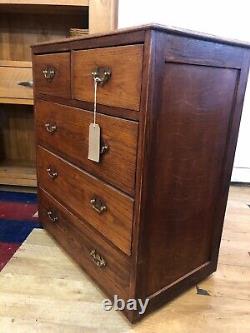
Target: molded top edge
<point>158,27</point>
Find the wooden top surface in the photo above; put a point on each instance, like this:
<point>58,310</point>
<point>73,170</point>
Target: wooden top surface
<point>152,26</point>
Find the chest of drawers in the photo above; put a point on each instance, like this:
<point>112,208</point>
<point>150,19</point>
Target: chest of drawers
<point>145,221</point>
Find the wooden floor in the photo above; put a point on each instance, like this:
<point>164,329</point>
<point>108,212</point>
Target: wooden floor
<point>42,290</point>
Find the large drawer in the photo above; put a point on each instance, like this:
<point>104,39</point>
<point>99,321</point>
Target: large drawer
<point>123,89</point>
<point>52,74</point>
<point>16,82</point>
<point>65,130</point>
<point>105,208</point>
<point>106,265</point>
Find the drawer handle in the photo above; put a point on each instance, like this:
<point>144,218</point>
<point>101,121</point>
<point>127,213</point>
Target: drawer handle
<point>97,259</point>
<point>104,149</point>
<point>101,75</point>
<point>28,84</point>
<point>52,173</point>
<point>50,128</point>
<point>52,216</point>
<point>98,205</point>
<point>49,73</point>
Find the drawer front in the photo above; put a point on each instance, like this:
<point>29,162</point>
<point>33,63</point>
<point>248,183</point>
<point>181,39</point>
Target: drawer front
<point>106,265</point>
<point>16,82</point>
<point>123,89</point>
<point>65,130</point>
<point>52,74</point>
<point>106,209</point>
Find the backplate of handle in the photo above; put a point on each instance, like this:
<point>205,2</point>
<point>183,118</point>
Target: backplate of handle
<point>98,205</point>
<point>52,215</point>
<point>49,73</point>
<point>50,128</point>
<point>97,259</point>
<point>53,174</point>
<point>101,75</point>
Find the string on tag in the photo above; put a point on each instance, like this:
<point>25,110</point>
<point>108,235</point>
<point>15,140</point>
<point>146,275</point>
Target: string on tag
<point>95,99</point>
<point>94,132</point>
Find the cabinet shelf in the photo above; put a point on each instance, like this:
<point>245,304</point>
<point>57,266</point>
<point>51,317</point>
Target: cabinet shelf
<point>17,173</point>
<point>23,23</point>
<point>79,3</point>
<point>17,153</point>
<point>18,101</point>
<point>47,7</point>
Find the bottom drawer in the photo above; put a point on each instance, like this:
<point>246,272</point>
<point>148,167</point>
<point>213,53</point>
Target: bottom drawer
<point>107,266</point>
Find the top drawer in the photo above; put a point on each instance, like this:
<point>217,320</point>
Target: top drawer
<point>123,89</point>
<point>52,74</point>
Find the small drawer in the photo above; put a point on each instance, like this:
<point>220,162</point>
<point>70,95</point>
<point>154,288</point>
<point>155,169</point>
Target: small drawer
<point>16,82</point>
<point>105,208</point>
<point>52,74</point>
<point>66,130</point>
<point>123,88</point>
<point>106,265</point>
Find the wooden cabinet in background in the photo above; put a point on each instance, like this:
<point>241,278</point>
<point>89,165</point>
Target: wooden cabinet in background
<point>22,23</point>
<point>16,82</point>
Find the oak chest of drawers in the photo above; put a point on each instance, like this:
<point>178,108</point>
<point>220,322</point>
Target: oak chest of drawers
<point>146,220</point>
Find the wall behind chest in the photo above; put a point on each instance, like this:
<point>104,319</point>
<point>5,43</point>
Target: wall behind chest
<point>223,18</point>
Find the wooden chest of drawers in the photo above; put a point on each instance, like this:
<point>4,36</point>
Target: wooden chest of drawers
<point>145,221</point>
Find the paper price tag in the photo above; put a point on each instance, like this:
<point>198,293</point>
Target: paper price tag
<point>94,133</point>
<point>94,142</point>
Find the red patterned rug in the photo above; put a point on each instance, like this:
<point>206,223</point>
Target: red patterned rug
<point>17,219</point>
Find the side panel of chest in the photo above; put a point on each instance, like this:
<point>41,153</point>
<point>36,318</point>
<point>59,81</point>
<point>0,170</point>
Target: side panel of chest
<point>190,123</point>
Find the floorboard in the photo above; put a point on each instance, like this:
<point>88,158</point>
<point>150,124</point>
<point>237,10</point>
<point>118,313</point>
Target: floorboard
<point>43,290</point>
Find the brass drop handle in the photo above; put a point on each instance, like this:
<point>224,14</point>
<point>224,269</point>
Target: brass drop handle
<point>104,149</point>
<point>50,128</point>
<point>101,75</point>
<point>53,174</point>
<point>49,73</point>
<point>98,205</point>
<point>52,216</point>
<point>97,259</point>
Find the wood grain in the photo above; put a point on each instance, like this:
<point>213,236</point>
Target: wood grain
<point>15,63</point>
<point>123,89</point>
<point>17,174</point>
<point>134,35</point>
<point>71,141</point>
<point>75,188</point>
<point>46,2</point>
<point>190,101</point>
<point>194,127</point>
<point>60,84</point>
<point>23,23</point>
<point>17,134</point>
<point>11,77</point>
<point>102,109</point>
<point>20,30</point>
<point>41,278</point>
<point>77,238</point>
<point>103,15</point>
